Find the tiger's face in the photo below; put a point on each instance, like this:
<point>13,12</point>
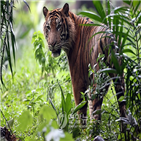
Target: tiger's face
<point>56,29</point>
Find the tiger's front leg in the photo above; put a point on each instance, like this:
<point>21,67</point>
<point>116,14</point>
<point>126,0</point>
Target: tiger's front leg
<point>77,89</point>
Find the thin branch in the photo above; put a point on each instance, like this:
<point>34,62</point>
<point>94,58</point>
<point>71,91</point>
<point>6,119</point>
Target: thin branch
<point>6,122</point>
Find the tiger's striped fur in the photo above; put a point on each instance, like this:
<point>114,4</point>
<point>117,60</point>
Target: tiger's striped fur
<point>62,30</point>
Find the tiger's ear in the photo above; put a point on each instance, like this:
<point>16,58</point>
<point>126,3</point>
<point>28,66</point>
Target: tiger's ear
<point>45,11</point>
<point>66,9</point>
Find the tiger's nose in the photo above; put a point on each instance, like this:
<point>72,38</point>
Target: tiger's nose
<point>53,44</point>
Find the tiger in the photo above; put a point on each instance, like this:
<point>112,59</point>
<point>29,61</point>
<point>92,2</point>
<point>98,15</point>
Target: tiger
<point>64,30</point>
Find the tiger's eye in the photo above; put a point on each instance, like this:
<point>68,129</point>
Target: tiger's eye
<point>48,27</point>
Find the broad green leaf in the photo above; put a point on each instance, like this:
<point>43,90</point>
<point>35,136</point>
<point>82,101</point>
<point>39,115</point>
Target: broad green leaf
<point>128,51</point>
<point>136,5</point>
<point>47,112</point>
<point>108,70</point>
<point>68,103</point>
<point>78,107</point>
<point>121,99</point>
<point>54,124</point>
<point>24,120</point>
<point>127,1</point>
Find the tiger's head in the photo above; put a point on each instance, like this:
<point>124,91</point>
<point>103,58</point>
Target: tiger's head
<point>58,29</point>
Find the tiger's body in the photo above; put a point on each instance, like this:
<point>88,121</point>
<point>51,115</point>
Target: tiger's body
<point>62,30</point>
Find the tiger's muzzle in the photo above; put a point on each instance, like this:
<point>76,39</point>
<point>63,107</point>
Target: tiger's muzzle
<point>56,50</point>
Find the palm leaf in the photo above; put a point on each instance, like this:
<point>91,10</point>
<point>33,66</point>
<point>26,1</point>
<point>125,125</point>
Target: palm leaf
<point>91,15</point>
<point>100,11</point>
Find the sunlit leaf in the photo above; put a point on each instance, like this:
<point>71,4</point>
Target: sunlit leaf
<point>78,107</point>
<point>127,1</point>
<point>136,5</point>
<point>47,112</point>
<point>54,124</point>
<point>128,51</point>
<point>108,70</point>
<point>25,120</point>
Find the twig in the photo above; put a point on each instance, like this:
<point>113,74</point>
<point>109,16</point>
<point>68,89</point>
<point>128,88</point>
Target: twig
<point>6,122</point>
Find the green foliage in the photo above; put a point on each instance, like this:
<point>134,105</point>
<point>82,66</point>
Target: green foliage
<point>124,23</point>
<point>65,111</point>
<point>38,42</point>
<point>50,114</point>
<point>7,37</point>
